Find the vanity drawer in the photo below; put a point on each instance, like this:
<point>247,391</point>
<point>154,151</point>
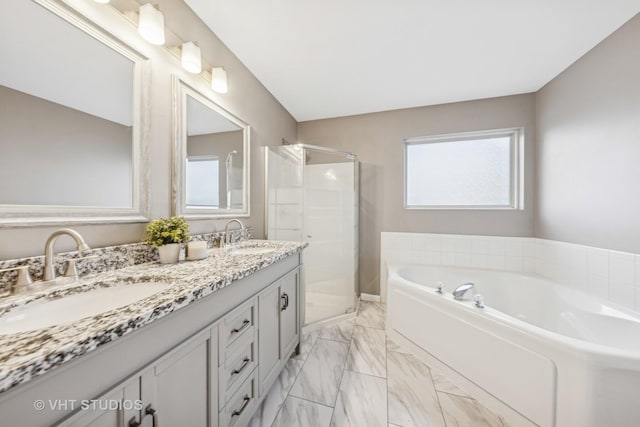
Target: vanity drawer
<point>241,360</point>
<point>242,404</point>
<point>239,323</point>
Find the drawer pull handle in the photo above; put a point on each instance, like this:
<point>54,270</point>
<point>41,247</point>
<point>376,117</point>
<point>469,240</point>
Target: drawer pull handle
<point>244,325</point>
<point>245,362</point>
<point>247,399</point>
<point>285,304</point>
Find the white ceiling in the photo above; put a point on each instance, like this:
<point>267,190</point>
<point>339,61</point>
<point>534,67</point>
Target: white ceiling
<point>334,58</point>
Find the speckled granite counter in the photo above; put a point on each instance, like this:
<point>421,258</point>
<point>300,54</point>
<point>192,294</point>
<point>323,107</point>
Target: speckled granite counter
<point>29,354</point>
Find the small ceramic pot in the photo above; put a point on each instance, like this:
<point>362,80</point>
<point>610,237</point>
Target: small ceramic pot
<point>169,254</point>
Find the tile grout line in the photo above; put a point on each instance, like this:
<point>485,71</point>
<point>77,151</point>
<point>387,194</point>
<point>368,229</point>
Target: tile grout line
<point>304,362</point>
<point>433,383</point>
<point>344,368</point>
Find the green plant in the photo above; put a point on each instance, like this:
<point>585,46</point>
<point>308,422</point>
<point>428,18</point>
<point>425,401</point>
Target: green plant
<point>163,231</point>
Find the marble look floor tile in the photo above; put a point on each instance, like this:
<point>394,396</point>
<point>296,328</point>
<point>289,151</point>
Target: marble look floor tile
<point>394,346</point>
<point>442,383</point>
<point>306,343</point>
<point>463,412</point>
<point>362,401</point>
<point>339,332</point>
<point>277,394</point>
<point>319,379</point>
<point>367,352</point>
<point>299,412</point>
<point>371,314</point>
<point>413,401</point>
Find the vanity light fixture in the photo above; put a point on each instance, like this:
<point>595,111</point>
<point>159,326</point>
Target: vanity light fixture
<point>219,80</point>
<point>151,24</point>
<point>191,58</point>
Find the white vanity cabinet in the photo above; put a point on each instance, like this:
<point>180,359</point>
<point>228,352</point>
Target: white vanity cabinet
<point>279,330</point>
<point>208,364</point>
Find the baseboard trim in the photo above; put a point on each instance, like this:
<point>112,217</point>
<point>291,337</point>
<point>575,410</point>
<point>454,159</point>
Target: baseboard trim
<point>369,297</point>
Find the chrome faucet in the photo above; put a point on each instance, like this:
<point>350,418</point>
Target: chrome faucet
<point>49,267</point>
<point>227,236</point>
<point>459,292</point>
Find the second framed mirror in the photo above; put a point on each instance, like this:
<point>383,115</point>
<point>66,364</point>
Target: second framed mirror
<point>211,157</point>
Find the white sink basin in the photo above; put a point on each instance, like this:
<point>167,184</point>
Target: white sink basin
<point>250,250</point>
<point>41,314</point>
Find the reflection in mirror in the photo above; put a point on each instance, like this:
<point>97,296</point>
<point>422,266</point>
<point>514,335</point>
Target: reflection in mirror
<point>211,157</point>
<point>214,159</point>
<point>70,131</point>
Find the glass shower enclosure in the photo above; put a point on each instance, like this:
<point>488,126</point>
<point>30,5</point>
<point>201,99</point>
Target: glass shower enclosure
<point>312,196</point>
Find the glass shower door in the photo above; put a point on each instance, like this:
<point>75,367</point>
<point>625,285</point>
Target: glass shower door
<point>312,197</point>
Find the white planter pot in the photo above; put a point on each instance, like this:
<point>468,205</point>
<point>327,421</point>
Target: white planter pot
<point>169,254</point>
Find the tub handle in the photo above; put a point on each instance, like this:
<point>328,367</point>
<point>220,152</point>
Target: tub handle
<point>440,289</point>
<point>479,301</point>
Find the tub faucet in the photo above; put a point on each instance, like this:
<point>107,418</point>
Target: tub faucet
<point>49,268</point>
<point>459,292</point>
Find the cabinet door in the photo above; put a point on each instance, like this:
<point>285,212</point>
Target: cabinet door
<point>268,336</point>
<point>182,386</point>
<point>113,409</point>
<point>289,315</point>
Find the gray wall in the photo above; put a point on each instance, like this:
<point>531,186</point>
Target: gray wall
<point>588,160</point>
<point>40,164</point>
<point>247,98</point>
<point>377,139</point>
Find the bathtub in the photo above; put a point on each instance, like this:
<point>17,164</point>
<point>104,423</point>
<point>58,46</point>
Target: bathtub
<point>555,355</point>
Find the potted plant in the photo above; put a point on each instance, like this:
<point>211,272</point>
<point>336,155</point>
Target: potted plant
<point>167,235</point>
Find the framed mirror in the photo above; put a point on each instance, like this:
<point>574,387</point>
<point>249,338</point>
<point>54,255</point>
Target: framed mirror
<point>211,157</point>
<point>72,120</point>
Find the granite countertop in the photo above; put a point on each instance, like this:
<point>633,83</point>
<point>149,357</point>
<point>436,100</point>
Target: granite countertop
<point>29,354</point>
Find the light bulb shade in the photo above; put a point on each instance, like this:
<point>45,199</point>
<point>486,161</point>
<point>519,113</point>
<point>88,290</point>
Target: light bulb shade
<point>191,58</point>
<point>219,80</point>
<point>151,24</point>
<point>102,1</point>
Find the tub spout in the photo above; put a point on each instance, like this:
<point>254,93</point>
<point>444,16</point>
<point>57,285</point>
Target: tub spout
<point>459,292</point>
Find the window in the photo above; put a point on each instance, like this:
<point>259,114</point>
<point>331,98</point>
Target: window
<point>203,181</point>
<point>473,170</point>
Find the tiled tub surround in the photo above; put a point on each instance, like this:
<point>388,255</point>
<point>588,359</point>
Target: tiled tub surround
<point>29,354</point>
<point>608,274</point>
<point>106,259</point>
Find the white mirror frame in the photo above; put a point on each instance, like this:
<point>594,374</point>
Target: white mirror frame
<point>181,90</point>
<point>40,215</point>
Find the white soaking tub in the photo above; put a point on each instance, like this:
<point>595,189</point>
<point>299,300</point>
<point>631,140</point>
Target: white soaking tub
<point>556,355</point>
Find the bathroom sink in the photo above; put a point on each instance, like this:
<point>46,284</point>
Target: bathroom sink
<point>67,309</point>
<point>250,250</point>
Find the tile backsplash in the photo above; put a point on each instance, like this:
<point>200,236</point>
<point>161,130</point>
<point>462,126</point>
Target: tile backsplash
<point>609,274</point>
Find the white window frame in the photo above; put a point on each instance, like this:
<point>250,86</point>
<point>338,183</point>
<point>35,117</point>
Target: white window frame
<point>202,158</point>
<point>516,166</point>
